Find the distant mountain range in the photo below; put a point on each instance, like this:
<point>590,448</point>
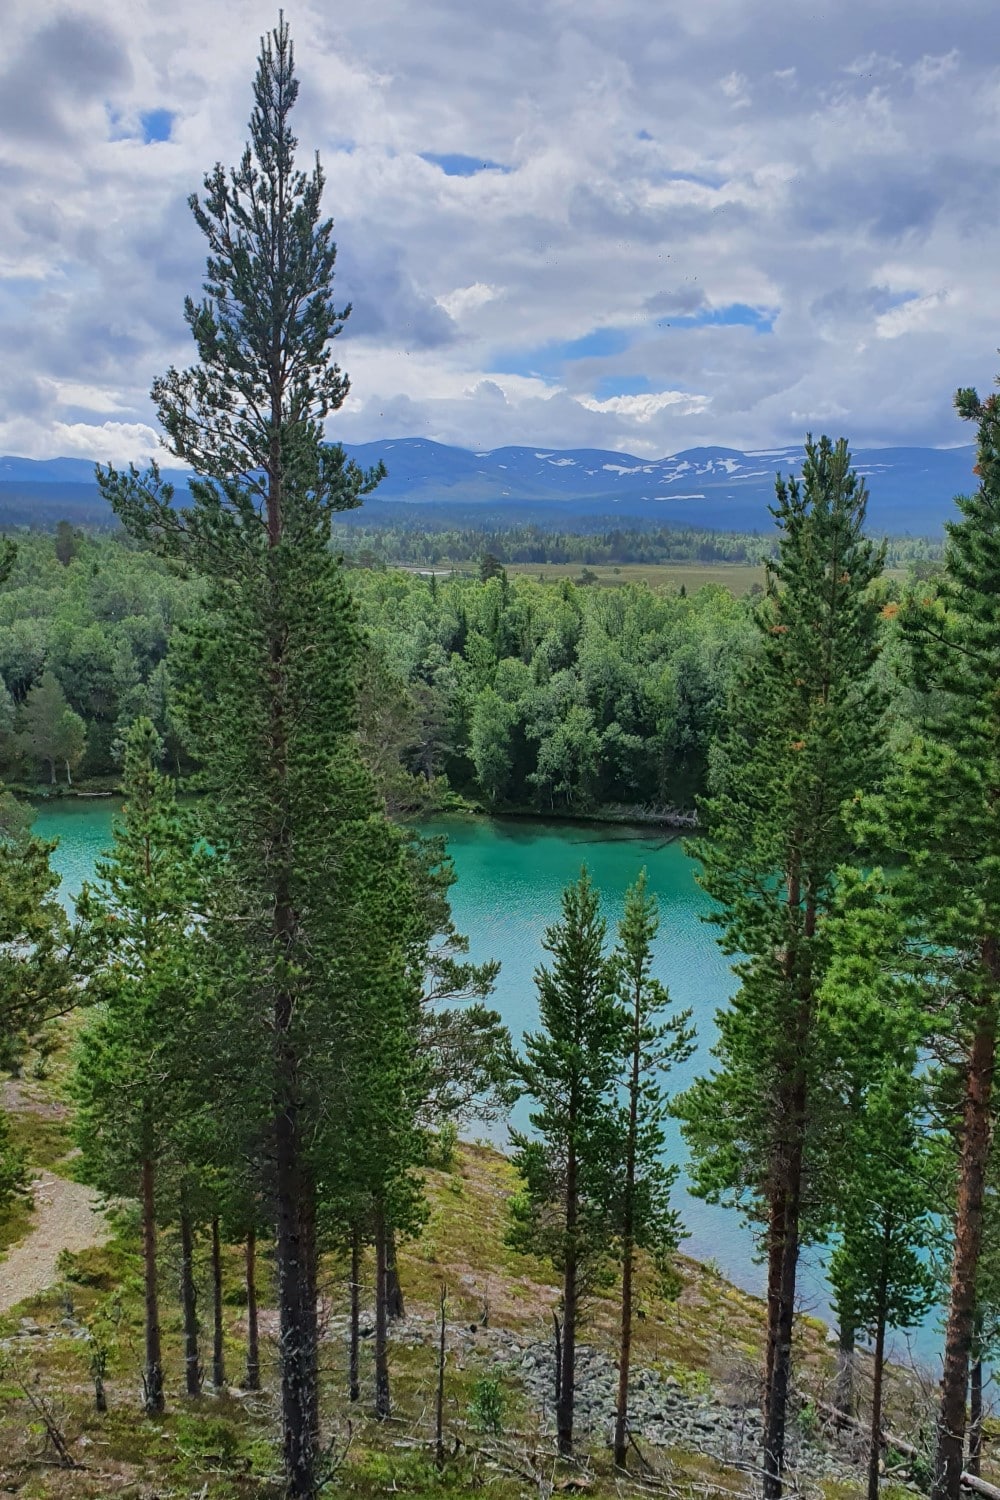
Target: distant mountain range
<point>912,489</point>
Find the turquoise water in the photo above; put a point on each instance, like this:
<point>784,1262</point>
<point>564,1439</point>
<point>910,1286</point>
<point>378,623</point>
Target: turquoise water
<point>511,874</point>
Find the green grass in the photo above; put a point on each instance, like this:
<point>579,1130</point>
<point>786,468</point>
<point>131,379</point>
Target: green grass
<point>15,1223</point>
<point>739,578</point>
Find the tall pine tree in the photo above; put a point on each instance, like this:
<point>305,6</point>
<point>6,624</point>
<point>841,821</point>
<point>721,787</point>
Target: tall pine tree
<point>803,735</point>
<point>277,662</point>
<point>938,828</point>
<point>641,1182</point>
<point>569,1071</point>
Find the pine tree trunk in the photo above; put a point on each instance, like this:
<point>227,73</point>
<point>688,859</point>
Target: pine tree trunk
<point>395,1306</point>
<point>382,1401</point>
<point>218,1351</point>
<point>628,1245</point>
<point>152,1375</point>
<point>353,1374</point>
<point>775,1260</point>
<point>311,1308</point>
<point>875,1445</point>
<point>567,1372</point>
<point>774,1434</point>
<point>624,1357</point>
<point>960,1326</point>
<point>439,1404</point>
<point>557,1353</point>
<point>976,1417</point>
<point>787,1182</point>
<point>251,1379</point>
<point>189,1303</point>
<point>843,1388</point>
<point>297,1331</point>
<point>52,772</point>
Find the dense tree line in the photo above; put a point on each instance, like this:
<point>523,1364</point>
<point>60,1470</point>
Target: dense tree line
<point>464,683</point>
<point>551,697</point>
<point>86,623</point>
<point>429,542</point>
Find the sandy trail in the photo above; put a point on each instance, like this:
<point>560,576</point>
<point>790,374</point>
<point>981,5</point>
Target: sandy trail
<point>66,1217</point>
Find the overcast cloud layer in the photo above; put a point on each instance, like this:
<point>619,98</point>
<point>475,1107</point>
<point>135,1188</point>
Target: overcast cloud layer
<point>634,224</point>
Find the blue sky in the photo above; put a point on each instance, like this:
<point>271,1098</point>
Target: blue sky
<point>631,224</point>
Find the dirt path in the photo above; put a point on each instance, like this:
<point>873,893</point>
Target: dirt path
<point>66,1217</point>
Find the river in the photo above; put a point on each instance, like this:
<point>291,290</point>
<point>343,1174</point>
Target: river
<point>511,874</point>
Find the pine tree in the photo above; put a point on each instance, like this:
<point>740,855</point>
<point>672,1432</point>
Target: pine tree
<point>138,924</point>
<point>986,1335</point>
<point>641,1185</point>
<point>938,830</point>
<point>879,1267</point>
<point>569,1070</point>
<point>803,735</point>
<point>276,665</point>
<point>49,730</point>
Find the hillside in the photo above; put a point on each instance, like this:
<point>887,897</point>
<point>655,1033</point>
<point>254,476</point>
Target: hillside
<point>696,1393</point>
<point>911,488</point>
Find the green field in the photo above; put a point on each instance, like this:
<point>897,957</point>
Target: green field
<point>739,578</point>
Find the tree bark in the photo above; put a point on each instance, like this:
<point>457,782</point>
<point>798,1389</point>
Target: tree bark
<point>775,1259</point>
<point>394,1305</point>
<point>968,1232</point>
<point>774,1432</point>
<point>189,1303</point>
<point>875,1444</point>
<point>152,1375</point>
<point>557,1351</point>
<point>628,1244</point>
<point>567,1371</point>
<point>218,1349</point>
<point>382,1400</point>
<point>439,1404</point>
<point>976,1417</point>
<point>353,1381</point>
<point>297,1330</point>
<point>843,1388</point>
<point>786,1177</point>
<point>251,1379</point>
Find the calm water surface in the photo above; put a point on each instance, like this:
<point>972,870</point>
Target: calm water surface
<point>511,874</point>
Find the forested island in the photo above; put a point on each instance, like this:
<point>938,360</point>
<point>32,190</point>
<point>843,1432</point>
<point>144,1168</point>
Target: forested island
<point>259,1039</point>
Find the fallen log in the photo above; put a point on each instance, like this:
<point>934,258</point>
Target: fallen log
<point>889,1439</point>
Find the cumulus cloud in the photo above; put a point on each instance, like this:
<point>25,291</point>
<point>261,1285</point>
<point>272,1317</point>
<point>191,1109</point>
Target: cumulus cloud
<point>785,227</point>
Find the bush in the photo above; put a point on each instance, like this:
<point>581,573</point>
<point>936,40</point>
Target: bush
<point>441,1147</point>
<point>488,1405</point>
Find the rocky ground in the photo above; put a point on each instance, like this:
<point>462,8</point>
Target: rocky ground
<point>670,1410</point>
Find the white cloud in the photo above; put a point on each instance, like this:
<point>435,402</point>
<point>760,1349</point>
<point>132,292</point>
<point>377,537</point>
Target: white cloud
<point>909,316</point>
<point>466,299</point>
<point>114,442</point>
<point>662,161</point>
<point>643,408</point>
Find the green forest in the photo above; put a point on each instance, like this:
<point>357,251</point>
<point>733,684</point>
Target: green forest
<point>499,692</point>
<point>259,1037</point>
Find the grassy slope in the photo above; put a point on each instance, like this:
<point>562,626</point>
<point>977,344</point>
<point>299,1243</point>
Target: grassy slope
<point>224,1446</point>
<point>226,1443</point>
